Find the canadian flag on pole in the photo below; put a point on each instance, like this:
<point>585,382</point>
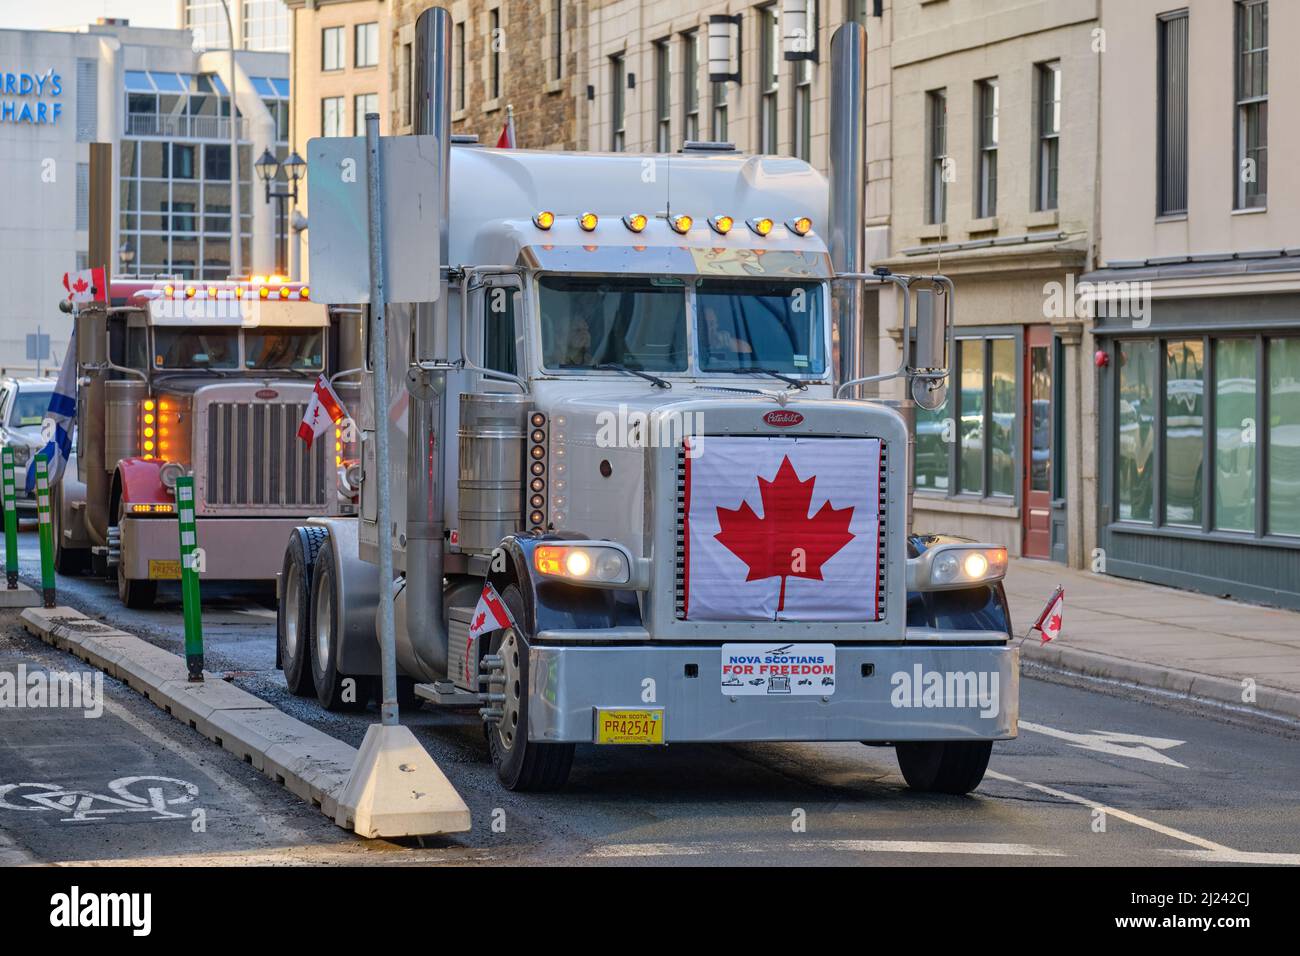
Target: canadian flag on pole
<point>507,138</point>
<point>491,613</point>
<point>82,286</point>
<point>323,410</point>
<point>1049,622</point>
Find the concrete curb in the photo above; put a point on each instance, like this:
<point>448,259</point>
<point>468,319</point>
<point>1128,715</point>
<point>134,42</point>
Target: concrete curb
<point>21,596</point>
<point>1269,701</point>
<point>307,762</point>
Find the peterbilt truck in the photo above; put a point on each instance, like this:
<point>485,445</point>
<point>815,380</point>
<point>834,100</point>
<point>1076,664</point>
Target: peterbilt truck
<point>209,379</point>
<point>626,431</point>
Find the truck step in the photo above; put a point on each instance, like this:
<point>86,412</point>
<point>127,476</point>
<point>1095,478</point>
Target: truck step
<point>446,694</point>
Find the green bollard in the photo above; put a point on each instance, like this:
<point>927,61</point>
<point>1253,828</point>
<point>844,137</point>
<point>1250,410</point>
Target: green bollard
<point>11,516</point>
<point>46,531</point>
<point>190,577</point>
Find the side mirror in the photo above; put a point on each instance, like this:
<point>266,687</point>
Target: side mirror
<point>929,372</point>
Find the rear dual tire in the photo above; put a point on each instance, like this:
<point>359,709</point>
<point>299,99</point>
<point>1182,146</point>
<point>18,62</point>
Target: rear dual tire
<point>335,690</point>
<point>293,616</point>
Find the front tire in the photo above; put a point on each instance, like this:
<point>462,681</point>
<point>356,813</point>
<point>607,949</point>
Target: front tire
<point>293,617</point>
<point>137,594</point>
<point>521,764</point>
<point>334,690</point>
<point>945,766</point>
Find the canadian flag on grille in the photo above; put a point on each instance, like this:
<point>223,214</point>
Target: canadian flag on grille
<point>324,409</point>
<point>781,529</point>
<point>490,614</point>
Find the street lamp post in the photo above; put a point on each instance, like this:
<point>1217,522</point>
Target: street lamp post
<point>268,169</point>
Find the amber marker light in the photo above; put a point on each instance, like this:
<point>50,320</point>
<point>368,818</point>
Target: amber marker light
<point>801,226</point>
<point>681,224</point>
<point>587,221</point>
<point>761,227</point>
<point>721,224</point>
<point>635,221</point>
<point>544,220</point>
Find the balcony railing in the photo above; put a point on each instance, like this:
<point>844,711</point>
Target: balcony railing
<point>183,127</point>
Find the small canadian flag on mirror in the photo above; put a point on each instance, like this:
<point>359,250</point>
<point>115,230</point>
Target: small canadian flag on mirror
<point>1049,622</point>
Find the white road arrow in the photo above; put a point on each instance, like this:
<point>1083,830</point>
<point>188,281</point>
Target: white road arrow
<point>1114,743</point>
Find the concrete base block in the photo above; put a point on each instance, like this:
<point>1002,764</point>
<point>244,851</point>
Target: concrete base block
<point>196,702</point>
<point>395,789</point>
<point>22,596</point>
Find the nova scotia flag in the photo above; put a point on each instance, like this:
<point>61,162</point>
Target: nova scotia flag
<point>63,409</point>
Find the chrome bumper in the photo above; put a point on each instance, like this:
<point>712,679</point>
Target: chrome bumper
<point>871,701</point>
<point>235,549</point>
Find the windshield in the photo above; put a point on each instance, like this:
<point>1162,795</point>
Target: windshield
<point>284,348</point>
<point>744,323</point>
<point>588,322</point>
<point>195,348</point>
<point>30,407</point>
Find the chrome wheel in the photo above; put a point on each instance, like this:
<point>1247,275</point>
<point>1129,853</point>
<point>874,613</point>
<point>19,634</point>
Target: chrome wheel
<point>292,594</point>
<point>321,617</point>
<point>508,726</point>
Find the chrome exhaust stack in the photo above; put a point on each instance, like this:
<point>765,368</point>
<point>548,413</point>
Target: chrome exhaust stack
<point>848,191</point>
<point>420,601</point>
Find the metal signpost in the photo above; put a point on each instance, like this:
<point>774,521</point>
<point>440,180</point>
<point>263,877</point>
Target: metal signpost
<point>190,577</point>
<point>11,517</point>
<point>46,531</point>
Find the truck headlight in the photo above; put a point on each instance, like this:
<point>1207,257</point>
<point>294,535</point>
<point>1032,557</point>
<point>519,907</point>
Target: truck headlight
<point>168,474</point>
<point>950,566</point>
<point>586,563</point>
<point>22,454</point>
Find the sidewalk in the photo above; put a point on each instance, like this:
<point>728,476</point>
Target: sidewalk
<point>1160,637</point>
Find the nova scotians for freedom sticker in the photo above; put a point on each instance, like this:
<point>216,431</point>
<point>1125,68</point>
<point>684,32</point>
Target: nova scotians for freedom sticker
<point>753,670</point>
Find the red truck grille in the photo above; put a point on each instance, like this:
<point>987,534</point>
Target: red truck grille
<point>256,461</point>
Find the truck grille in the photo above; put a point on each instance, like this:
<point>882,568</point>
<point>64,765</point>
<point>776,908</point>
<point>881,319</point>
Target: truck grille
<point>680,582</point>
<point>255,459</point>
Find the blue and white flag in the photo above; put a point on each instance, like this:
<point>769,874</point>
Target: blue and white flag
<point>63,409</point>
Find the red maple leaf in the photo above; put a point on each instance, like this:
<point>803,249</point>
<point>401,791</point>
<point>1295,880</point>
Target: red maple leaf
<point>1055,622</point>
<point>80,285</point>
<point>785,542</point>
<point>478,621</point>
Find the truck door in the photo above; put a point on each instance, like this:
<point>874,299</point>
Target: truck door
<point>502,338</point>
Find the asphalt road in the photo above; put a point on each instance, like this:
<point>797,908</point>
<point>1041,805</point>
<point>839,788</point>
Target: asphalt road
<point>1099,775</point>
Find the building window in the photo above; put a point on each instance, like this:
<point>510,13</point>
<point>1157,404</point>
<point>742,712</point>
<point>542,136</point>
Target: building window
<point>1171,118</point>
<point>556,70</point>
<point>458,58</point>
<point>1283,436</point>
<point>802,118</point>
<point>691,85</point>
<point>366,44</point>
<point>986,173</point>
<point>408,84</point>
<point>331,116</point>
<point>973,435</point>
<point>663,96</point>
<point>1136,422</point>
<point>495,41</point>
<point>1234,427</point>
<point>1252,104</point>
<point>266,26</point>
<point>1184,431</point>
<point>331,49</point>
<point>859,11</point>
<point>362,104</point>
<point>207,19</point>
<point>618,80</point>
<point>769,77</point>
<point>1049,134</point>
<point>718,117</point>
<point>937,134</point>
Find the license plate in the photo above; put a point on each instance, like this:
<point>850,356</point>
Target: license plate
<point>629,726</point>
<point>778,670</point>
<point>164,570</point>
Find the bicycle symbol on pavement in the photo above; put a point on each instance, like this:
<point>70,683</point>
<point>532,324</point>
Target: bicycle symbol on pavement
<point>146,795</point>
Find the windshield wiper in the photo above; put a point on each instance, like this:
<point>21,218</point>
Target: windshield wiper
<point>652,379</point>
<point>792,382</point>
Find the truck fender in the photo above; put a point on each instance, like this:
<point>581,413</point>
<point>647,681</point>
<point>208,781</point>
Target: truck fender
<point>559,605</point>
<point>357,584</point>
<point>982,608</point>
<point>139,481</point>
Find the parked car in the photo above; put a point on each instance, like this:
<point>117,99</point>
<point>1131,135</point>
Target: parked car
<point>24,403</point>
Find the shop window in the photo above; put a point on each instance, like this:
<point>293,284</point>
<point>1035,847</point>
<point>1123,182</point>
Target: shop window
<point>1137,428</point>
<point>1234,434</point>
<point>933,437</point>
<point>1284,436</point>
<point>1184,431</point>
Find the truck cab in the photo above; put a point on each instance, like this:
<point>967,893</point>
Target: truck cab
<point>206,379</point>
